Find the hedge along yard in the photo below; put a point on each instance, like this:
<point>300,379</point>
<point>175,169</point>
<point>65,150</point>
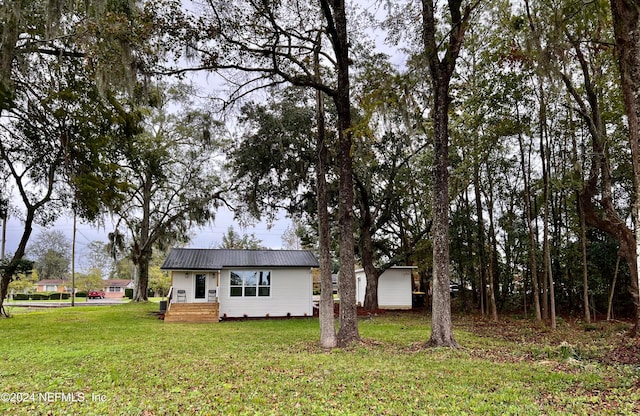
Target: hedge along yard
<point>123,360</point>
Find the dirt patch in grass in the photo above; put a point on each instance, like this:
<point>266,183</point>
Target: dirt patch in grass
<point>605,342</point>
<point>627,351</point>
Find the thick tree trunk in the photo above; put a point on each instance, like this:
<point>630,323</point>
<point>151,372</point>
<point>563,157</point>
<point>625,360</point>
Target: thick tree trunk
<point>142,248</point>
<point>327,322</point>
<point>336,17</point>
<point>348,318</point>
<point>441,71</point>
<point>142,283</point>
<point>371,293</point>
<point>441,324</point>
<point>626,18</point>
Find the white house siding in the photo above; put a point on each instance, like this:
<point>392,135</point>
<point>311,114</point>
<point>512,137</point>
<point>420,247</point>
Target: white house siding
<point>394,288</point>
<point>186,280</point>
<point>291,294</point>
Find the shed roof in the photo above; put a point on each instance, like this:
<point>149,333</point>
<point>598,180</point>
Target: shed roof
<point>216,259</point>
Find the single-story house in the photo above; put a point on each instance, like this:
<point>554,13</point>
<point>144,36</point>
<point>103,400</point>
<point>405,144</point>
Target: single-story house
<point>53,285</point>
<point>239,283</point>
<point>114,288</point>
<point>395,287</point>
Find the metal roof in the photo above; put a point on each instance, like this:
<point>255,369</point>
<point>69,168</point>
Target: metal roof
<point>216,259</point>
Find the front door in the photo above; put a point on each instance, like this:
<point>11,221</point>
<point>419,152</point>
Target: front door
<point>201,286</point>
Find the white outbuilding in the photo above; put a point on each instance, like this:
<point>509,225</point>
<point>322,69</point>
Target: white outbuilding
<point>395,287</point>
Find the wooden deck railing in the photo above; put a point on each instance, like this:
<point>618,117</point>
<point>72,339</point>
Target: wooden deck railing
<point>169,296</point>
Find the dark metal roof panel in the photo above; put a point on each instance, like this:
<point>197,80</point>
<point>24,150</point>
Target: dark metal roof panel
<point>215,259</point>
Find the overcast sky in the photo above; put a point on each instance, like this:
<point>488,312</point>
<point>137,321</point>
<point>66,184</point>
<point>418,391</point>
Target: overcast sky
<point>207,237</point>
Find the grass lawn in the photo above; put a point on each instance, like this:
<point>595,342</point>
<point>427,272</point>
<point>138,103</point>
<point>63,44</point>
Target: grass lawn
<point>122,360</point>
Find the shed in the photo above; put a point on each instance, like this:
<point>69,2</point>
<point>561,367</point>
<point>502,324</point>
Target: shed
<point>395,287</point>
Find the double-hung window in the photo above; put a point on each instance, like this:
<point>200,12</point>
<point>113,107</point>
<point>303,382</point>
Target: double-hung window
<point>250,283</point>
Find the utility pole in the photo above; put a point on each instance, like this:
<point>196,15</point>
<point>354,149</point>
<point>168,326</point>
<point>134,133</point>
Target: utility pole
<point>73,262</point>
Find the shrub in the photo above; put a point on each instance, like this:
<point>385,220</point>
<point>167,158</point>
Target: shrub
<point>58,296</point>
<point>81,294</point>
<point>21,296</point>
<point>40,296</point>
<point>128,293</point>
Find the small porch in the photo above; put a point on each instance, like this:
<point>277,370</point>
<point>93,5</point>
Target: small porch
<point>200,306</point>
<point>192,312</point>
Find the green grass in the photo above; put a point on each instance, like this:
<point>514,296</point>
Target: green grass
<point>122,360</point>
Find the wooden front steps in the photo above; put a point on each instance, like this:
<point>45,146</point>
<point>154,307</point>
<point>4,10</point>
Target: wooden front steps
<point>193,312</point>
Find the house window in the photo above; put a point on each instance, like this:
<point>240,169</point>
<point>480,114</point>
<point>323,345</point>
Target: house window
<point>50,288</point>
<point>115,289</point>
<point>250,283</point>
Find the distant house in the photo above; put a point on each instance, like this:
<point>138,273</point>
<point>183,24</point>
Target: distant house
<point>395,287</point>
<point>215,283</point>
<point>114,288</point>
<point>54,285</point>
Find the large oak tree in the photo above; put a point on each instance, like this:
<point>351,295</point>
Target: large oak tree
<point>172,180</point>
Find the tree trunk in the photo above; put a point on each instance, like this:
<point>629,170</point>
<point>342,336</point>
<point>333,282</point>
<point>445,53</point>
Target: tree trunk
<point>492,256</point>
<point>142,284</point>
<point>583,234</point>
<point>142,248</point>
<point>327,321</point>
<point>533,264</point>
<point>612,291</point>
<point>366,250</point>
<point>441,331</point>
<point>441,71</point>
<point>441,325</point>
<point>335,14</point>
<point>9,271</point>
<point>585,269</point>
<point>545,200</point>
<point>371,294</point>
<point>480,256</point>
<point>548,289</point>
<point>626,18</point>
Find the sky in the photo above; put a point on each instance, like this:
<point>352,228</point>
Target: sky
<point>206,237</point>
